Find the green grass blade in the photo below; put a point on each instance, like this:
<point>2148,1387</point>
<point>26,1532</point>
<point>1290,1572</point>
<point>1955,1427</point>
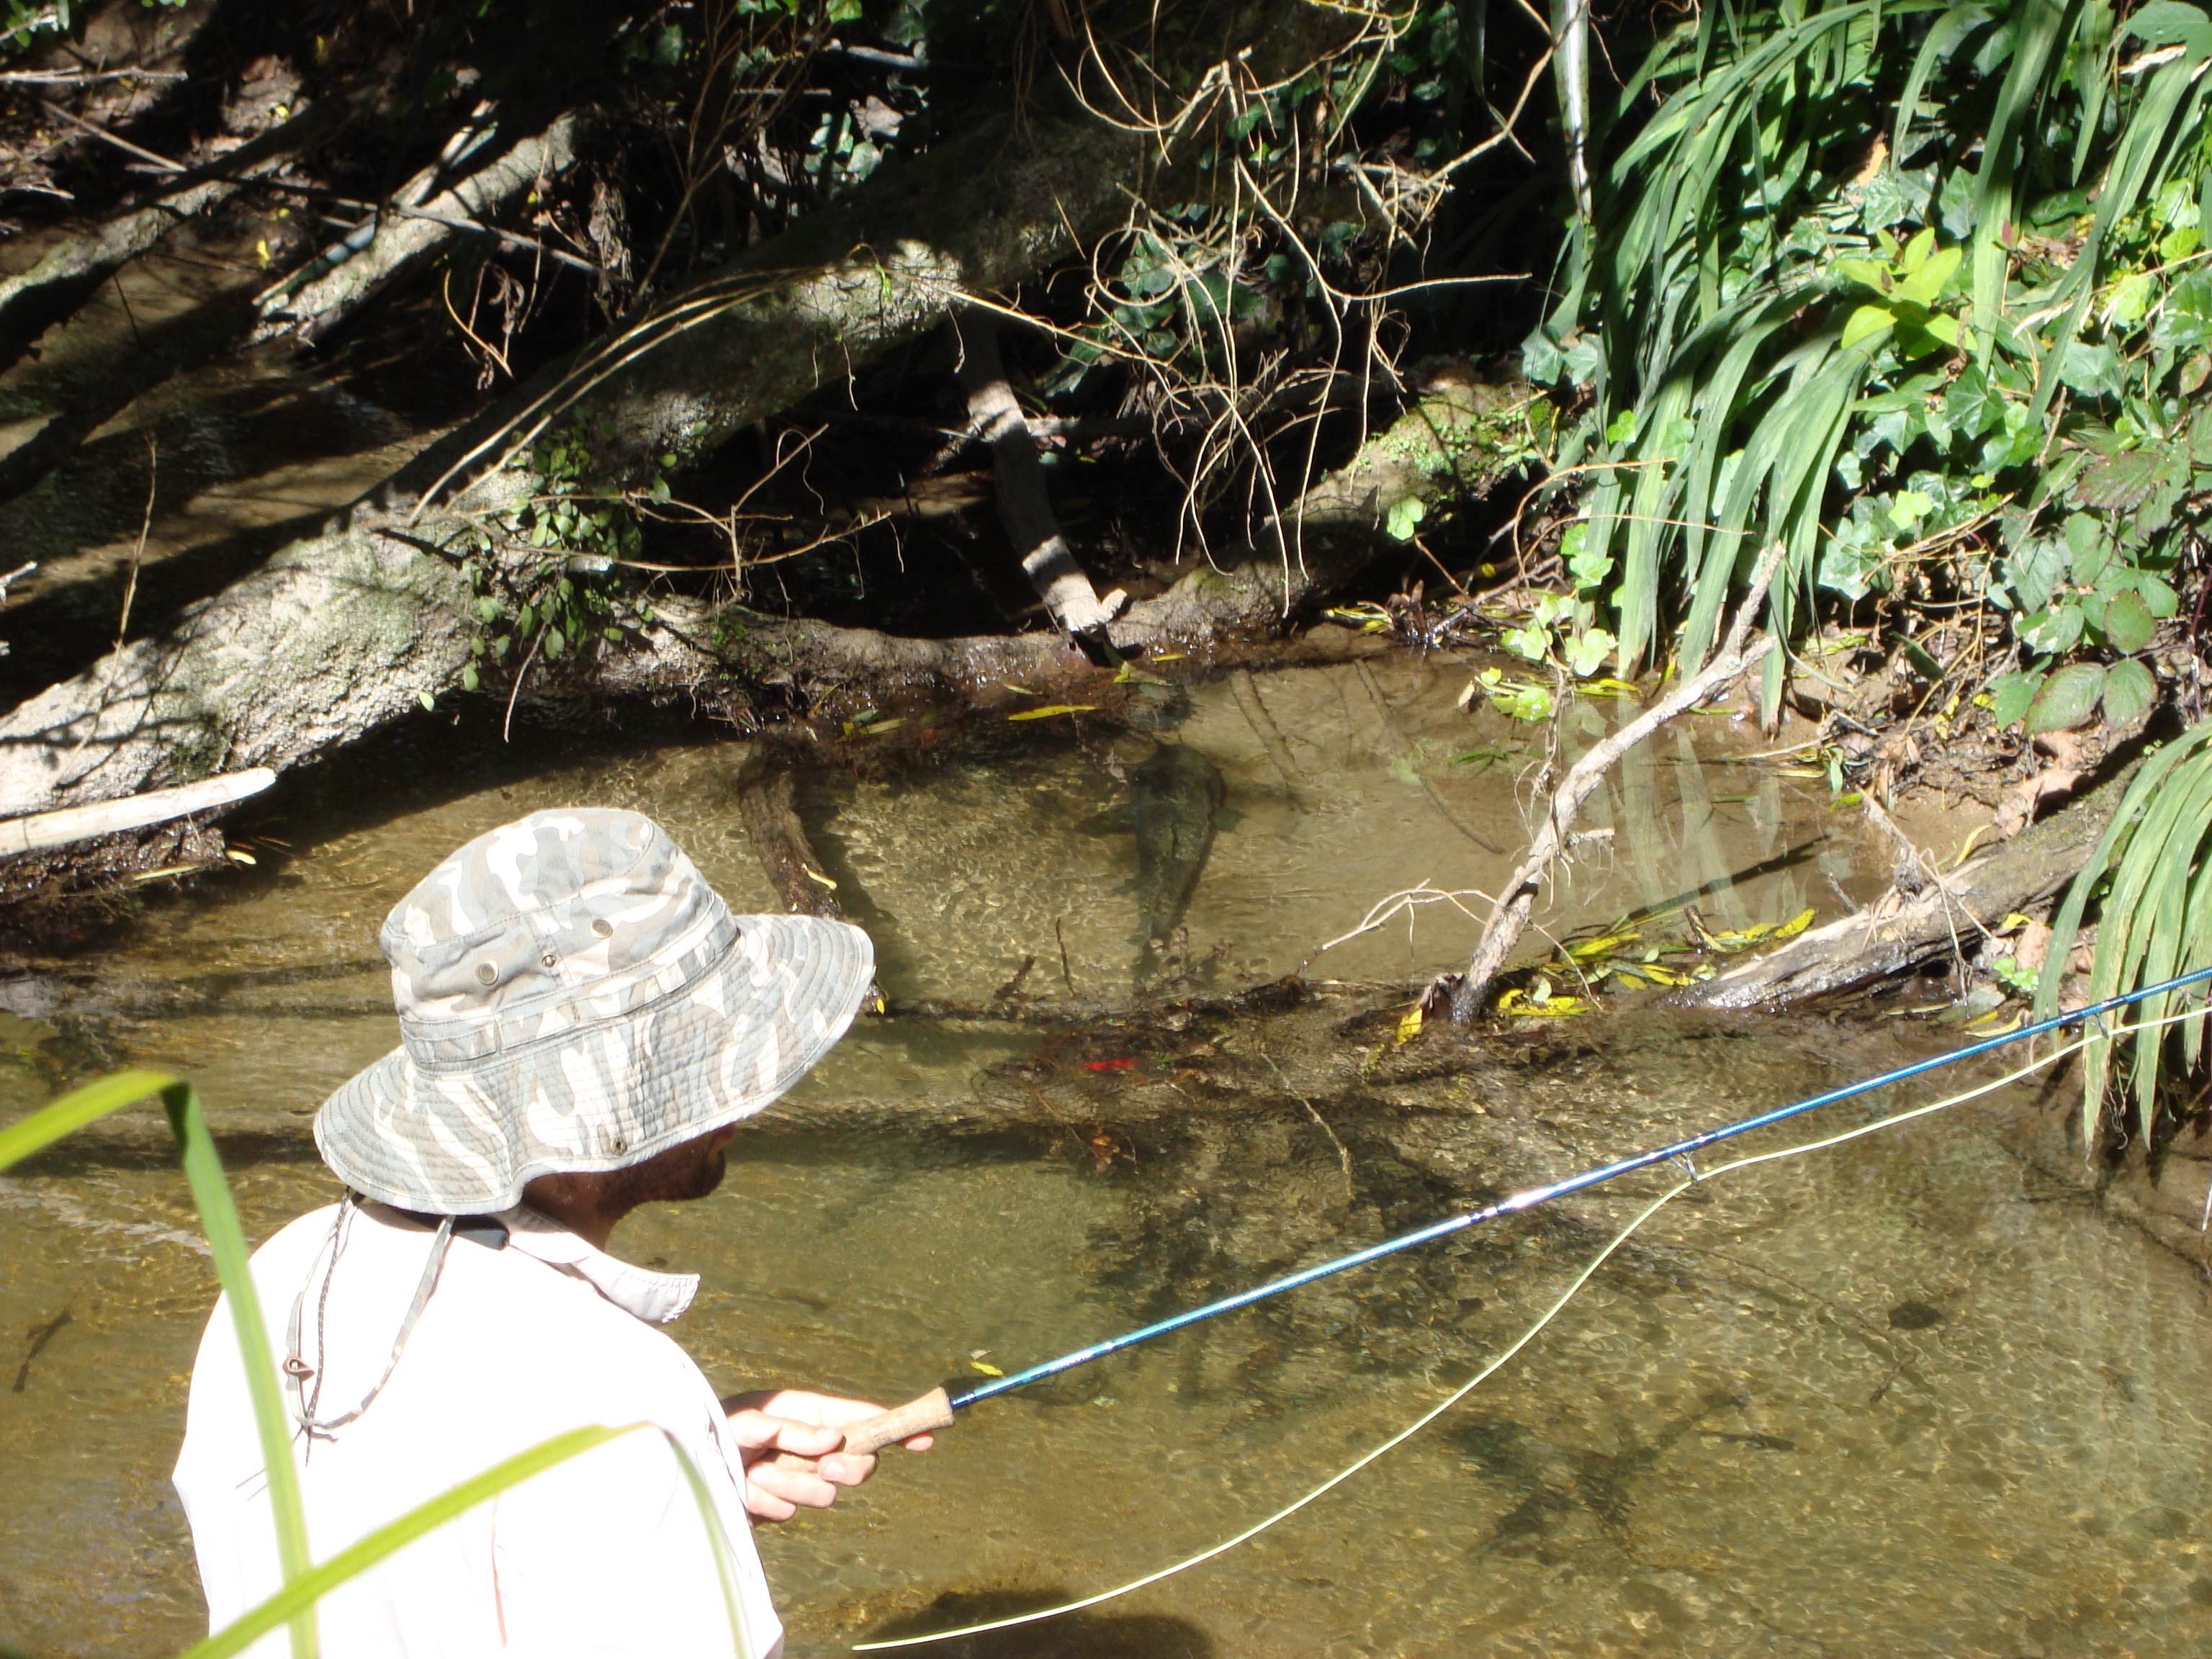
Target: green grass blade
<point>76,1108</point>
<point>226,1243</point>
<point>2039,29</point>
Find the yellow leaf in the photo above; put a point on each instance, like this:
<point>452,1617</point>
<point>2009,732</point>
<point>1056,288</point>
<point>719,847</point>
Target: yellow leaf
<point>880,727</point>
<point>2013,918</point>
<point>1796,925</point>
<point>1605,945</point>
<point>1409,1024</point>
<point>1170,656</point>
<point>1023,690</point>
<point>814,875</point>
<point>1652,973</point>
<point>239,854</point>
<point>1741,939</point>
<point>985,1367</point>
<point>1554,1006</point>
<point>1052,709</point>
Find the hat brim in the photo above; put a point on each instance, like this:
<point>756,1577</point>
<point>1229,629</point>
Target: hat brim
<point>464,1139</point>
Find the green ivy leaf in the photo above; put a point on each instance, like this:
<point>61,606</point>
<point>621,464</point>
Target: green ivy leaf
<point>1403,516</point>
<point>1586,652</point>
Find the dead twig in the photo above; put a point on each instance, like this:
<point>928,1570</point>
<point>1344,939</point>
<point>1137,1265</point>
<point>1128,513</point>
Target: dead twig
<point>1510,917</point>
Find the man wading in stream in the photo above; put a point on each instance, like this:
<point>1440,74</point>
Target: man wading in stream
<point>582,1024</point>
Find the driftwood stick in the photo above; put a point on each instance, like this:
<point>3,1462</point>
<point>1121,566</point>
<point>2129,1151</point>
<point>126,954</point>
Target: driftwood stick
<point>1509,917</point>
<point>1024,505</point>
<point>108,817</point>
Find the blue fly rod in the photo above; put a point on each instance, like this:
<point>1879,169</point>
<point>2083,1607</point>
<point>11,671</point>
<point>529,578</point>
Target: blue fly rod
<point>935,1409</point>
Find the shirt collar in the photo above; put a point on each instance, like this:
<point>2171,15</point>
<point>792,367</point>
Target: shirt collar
<point>656,1297</point>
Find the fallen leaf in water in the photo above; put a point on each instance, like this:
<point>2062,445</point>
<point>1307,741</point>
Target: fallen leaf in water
<point>1554,1006</point>
<point>983,1366</point>
<point>1796,925</point>
<point>1409,1024</point>
<point>1052,709</point>
<point>1650,972</point>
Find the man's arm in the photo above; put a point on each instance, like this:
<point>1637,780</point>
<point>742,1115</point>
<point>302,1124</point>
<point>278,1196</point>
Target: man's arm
<point>789,1439</point>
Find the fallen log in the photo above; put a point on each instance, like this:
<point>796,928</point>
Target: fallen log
<point>342,633</point>
<point>1897,932</point>
<point>767,806</point>
<point>421,221</point>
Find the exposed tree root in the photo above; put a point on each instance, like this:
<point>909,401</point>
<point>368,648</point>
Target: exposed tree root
<point>1024,508</point>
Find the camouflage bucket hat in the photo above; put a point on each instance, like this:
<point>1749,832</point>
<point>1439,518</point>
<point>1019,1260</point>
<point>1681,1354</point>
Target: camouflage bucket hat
<point>573,996</point>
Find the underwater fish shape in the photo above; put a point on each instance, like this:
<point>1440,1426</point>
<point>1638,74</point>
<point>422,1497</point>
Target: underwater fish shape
<point>1174,803</point>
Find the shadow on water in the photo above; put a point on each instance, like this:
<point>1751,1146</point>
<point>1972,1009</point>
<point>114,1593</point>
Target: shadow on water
<point>1077,1635</point>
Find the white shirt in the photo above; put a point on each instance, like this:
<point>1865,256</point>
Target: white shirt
<point>608,1553</point>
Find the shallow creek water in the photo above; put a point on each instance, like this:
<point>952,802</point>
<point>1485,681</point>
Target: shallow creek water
<point>1906,1396</point>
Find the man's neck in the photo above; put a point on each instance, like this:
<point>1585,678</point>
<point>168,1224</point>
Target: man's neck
<point>578,1202</point>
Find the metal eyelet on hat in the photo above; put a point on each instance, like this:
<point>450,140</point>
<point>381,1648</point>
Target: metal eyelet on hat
<point>487,974</point>
<point>549,959</point>
<point>603,928</point>
<point>618,1144</point>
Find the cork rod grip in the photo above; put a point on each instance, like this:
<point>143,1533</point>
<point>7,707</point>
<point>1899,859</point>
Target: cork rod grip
<point>930,1410</point>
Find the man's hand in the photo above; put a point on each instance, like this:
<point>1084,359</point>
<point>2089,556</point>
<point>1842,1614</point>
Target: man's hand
<point>789,1438</point>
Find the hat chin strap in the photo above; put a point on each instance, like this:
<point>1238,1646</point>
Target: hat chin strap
<point>297,1371</point>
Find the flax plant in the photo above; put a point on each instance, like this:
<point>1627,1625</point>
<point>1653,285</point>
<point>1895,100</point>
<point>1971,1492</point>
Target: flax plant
<point>1816,224</point>
<point>2151,881</point>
